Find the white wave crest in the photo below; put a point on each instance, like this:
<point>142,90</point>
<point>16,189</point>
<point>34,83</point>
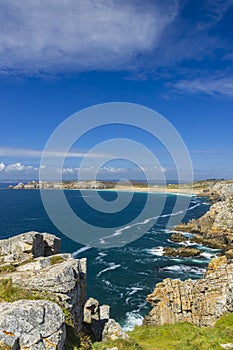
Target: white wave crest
<point>132,319</point>
<point>112,266</point>
<point>83,249</point>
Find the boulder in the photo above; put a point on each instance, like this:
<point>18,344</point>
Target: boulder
<point>32,324</point>
<point>113,331</point>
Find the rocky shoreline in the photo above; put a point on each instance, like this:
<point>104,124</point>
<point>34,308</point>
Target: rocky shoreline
<point>43,297</point>
<point>43,302</point>
<point>214,229</point>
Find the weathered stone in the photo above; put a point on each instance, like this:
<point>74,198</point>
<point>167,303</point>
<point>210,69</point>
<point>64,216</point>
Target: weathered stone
<point>178,237</point>
<point>57,277</point>
<point>97,323</point>
<point>199,302</point>
<point>112,331</point>
<point>64,281</point>
<point>181,251</point>
<point>215,228</point>
<point>26,246</point>
<point>32,324</point>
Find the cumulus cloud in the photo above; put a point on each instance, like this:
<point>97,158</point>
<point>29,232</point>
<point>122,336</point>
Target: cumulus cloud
<point>76,35</point>
<point>18,167</point>
<point>2,166</point>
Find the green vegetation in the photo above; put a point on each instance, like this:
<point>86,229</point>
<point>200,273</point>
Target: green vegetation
<point>7,268</point>
<point>10,293</point>
<point>181,336</point>
<point>56,259</point>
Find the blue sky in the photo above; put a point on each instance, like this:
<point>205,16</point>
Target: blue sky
<point>174,56</point>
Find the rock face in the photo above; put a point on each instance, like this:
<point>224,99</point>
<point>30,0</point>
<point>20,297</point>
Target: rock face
<point>215,228</point>
<point>32,324</point>
<point>24,247</point>
<point>58,277</point>
<point>199,302</point>
<point>31,261</point>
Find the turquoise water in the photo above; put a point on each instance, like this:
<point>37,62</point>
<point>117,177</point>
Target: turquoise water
<point>121,277</point>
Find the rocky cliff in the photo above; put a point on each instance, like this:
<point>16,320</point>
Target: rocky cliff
<point>31,263</point>
<point>199,302</point>
<point>215,228</point>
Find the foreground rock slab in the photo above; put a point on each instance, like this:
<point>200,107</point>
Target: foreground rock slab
<point>199,302</point>
<point>26,246</point>
<point>32,324</point>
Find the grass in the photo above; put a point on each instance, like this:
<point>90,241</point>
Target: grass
<point>56,259</point>
<point>7,268</point>
<point>181,336</point>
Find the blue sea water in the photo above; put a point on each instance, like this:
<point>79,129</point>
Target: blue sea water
<point>121,277</point>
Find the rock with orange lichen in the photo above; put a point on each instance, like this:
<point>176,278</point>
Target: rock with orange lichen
<point>32,324</point>
<point>199,302</point>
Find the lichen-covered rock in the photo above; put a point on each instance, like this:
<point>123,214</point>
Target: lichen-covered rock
<point>215,228</point>
<point>181,252</point>
<point>32,324</point>
<point>59,277</point>
<point>199,302</point>
<point>113,331</point>
<point>26,246</point>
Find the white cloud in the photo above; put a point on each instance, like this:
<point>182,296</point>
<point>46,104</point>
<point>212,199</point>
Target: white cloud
<point>77,35</point>
<point>18,167</point>
<point>2,166</point>
<point>216,86</point>
<point>17,152</point>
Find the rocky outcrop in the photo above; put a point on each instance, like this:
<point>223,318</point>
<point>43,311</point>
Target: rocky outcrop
<point>215,228</point>
<point>182,252</point>
<point>31,262</point>
<point>98,324</point>
<point>199,302</point>
<point>58,277</point>
<point>27,246</point>
<point>32,324</point>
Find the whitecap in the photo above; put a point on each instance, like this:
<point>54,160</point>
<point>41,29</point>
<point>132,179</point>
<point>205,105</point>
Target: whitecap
<point>112,266</point>
<point>156,251</point>
<point>184,269</point>
<point>83,249</point>
<point>132,319</point>
<point>208,255</point>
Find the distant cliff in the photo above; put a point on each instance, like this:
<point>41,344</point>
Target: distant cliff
<point>215,228</point>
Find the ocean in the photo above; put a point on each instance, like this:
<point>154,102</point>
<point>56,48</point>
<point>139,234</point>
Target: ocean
<point>121,277</point>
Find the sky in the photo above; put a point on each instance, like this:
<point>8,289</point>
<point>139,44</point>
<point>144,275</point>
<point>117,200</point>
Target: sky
<point>61,56</point>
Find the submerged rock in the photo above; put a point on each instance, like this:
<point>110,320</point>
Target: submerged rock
<point>32,324</point>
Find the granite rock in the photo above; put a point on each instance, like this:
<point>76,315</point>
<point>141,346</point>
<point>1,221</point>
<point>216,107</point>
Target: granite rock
<point>32,324</point>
